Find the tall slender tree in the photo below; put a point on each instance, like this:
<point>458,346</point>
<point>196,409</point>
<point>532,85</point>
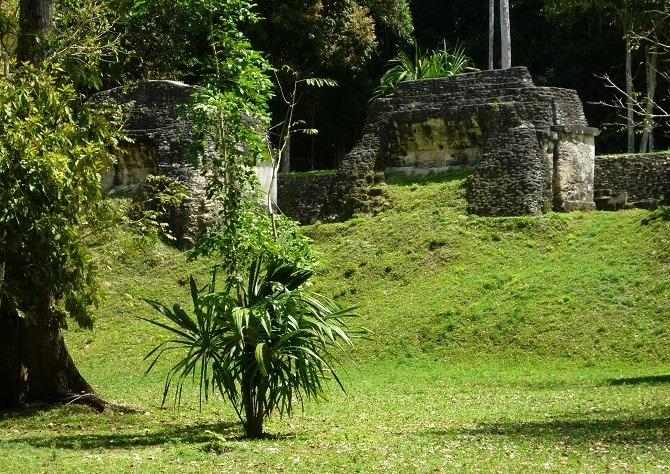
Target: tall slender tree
<point>651,57</point>
<point>505,35</point>
<point>630,117</point>
<point>35,20</point>
<point>492,23</point>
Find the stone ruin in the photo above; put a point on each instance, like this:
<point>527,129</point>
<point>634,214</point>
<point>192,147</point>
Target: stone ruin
<point>530,147</point>
<point>626,181</point>
<point>161,138</point>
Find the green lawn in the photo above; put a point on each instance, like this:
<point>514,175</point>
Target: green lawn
<point>534,344</point>
<point>408,415</point>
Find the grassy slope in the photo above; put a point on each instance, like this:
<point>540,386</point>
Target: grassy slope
<point>432,283</point>
<point>432,280</point>
<point>555,330</point>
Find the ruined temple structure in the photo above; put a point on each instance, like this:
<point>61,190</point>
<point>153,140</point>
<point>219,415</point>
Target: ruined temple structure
<point>530,147</point>
<point>161,140</point>
<point>160,144</point>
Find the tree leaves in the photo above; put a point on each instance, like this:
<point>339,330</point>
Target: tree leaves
<point>431,64</point>
<point>50,159</point>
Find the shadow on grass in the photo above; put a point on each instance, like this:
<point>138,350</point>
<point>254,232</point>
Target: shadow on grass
<point>633,430</point>
<point>135,437</point>
<point>402,179</point>
<point>648,380</point>
<point>61,427</point>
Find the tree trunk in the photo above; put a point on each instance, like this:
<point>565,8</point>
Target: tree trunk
<point>630,119</point>
<point>253,399</point>
<point>35,365</point>
<point>35,19</point>
<point>647,142</point>
<point>13,372</point>
<point>492,23</point>
<point>505,35</point>
<point>285,164</point>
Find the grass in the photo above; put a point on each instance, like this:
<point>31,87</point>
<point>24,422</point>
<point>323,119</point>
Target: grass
<point>434,281</point>
<point>531,344</point>
<point>399,416</point>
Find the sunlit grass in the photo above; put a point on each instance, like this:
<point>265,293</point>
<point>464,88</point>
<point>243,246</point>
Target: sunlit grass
<point>531,344</point>
<point>406,415</point>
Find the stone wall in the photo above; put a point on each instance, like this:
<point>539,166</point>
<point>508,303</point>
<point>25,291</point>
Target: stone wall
<point>161,137</point>
<point>358,184</point>
<point>632,180</point>
<point>531,147</point>
<point>161,140</point>
<point>302,196</point>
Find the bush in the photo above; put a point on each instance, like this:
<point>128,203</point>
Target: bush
<point>260,346</point>
<point>431,64</point>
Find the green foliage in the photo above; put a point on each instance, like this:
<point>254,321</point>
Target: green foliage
<point>431,64</point>
<point>316,37</point>
<point>185,39</point>
<point>257,372</point>
<point>231,117</point>
<point>662,213</point>
<point>84,41</point>
<point>51,153</point>
<point>149,209</point>
<point>231,146</point>
<point>394,15</point>
<point>261,350</point>
<point>8,29</point>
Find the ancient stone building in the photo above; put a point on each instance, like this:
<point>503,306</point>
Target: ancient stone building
<point>161,140</point>
<point>530,147</point>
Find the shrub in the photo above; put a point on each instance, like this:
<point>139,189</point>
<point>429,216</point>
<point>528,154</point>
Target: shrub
<point>431,64</point>
<point>261,346</point>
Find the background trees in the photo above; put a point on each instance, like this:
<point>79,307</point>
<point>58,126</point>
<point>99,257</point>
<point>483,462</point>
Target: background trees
<point>563,43</point>
<point>345,40</point>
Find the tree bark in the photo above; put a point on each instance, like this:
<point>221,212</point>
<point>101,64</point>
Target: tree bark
<point>35,365</point>
<point>647,142</point>
<point>492,23</point>
<point>505,35</point>
<point>35,19</point>
<point>253,399</point>
<point>630,119</point>
<point>285,151</point>
<point>13,373</point>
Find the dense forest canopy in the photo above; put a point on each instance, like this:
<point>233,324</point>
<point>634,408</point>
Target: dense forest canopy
<point>569,44</point>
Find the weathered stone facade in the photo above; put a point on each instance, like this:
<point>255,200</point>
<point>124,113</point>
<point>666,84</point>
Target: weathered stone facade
<point>302,196</point>
<point>161,140</point>
<point>531,147</point>
<point>161,137</point>
<point>632,181</point>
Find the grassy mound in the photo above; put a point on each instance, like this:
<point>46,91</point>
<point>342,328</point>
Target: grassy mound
<point>432,280</point>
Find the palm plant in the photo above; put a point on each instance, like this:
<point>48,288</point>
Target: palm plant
<point>431,64</point>
<point>262,347</point>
